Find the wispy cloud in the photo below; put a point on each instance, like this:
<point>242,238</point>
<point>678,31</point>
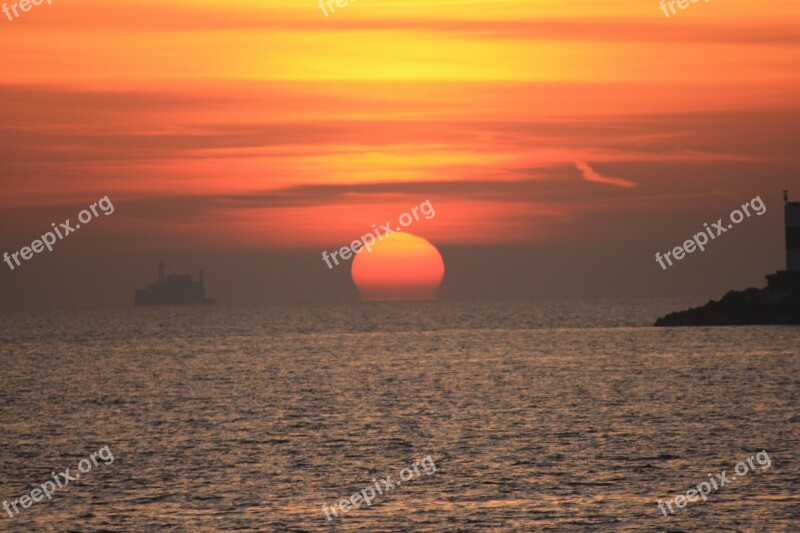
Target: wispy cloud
<point>589,174</point>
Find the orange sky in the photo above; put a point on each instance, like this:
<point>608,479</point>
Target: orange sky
<point>263,123</point>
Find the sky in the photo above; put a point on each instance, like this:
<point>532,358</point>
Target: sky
<point>561,143</point>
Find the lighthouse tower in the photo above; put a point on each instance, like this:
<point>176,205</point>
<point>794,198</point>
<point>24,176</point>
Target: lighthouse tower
<point>788,281</point>
<point>792,217</point>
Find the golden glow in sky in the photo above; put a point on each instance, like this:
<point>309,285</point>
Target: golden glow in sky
<point>266,124</point>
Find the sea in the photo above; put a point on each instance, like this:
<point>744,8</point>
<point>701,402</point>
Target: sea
<point>552,415</point>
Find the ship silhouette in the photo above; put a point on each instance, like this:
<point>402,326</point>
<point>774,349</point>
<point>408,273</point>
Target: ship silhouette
<point>175,289</point>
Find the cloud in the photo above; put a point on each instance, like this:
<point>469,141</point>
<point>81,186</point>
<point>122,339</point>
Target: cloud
<point>590,175</point>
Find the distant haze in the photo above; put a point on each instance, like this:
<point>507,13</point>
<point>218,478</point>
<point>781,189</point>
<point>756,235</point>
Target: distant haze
<point>562,144</point>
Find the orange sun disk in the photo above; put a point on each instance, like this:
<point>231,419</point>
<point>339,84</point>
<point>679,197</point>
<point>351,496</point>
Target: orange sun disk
<point>402,266</point>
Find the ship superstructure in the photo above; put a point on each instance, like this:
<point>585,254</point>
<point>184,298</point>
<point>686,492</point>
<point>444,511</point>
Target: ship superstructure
<point>174,289</point>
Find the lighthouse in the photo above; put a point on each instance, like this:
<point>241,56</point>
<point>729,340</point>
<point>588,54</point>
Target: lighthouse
<point>778,303</point>
<point>792,218</point>
<point>787,282</point>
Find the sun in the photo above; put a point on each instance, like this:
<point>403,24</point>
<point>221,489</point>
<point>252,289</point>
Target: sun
<point>402,266</point>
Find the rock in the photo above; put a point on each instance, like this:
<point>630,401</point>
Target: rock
<point>740,308</point>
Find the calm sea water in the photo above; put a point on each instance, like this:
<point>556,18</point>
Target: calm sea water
<point>542,416</point>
